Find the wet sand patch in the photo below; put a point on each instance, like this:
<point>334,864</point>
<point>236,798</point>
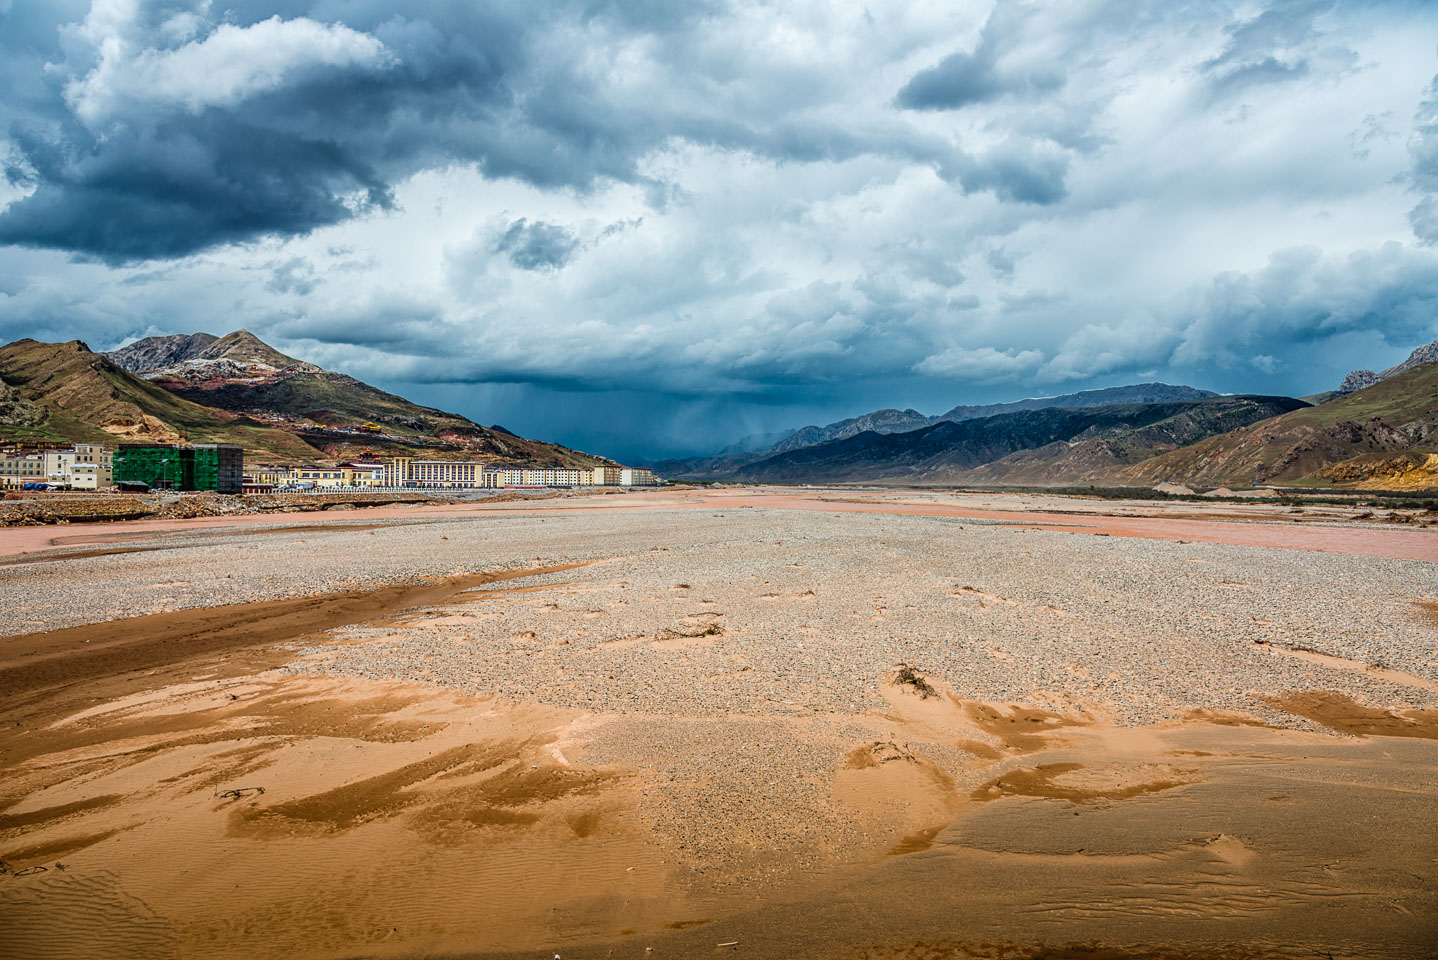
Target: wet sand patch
<point>1064,781</point>
<point>1337,711</point>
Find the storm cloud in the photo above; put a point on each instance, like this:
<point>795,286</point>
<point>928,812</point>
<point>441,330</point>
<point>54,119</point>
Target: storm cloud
<point>698,221</point>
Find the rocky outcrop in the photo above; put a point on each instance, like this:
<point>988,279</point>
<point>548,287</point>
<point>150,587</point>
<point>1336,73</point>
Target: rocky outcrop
<point>1428,353</point>
<point>1362,379</point>
<point>154,353</point>
<point>1413,470</point>
<point>16,411</point>
<point>1357,380</point>
<point>197,356</point>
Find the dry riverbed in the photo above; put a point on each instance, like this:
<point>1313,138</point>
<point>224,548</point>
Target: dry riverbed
<point>670,725</point>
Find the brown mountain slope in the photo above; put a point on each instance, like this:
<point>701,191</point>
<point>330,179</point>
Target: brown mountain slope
<point>1397,415</point>
<point>241,375</point>
<point>85,397</point>
<point>236,393</point>
<point>1092,459</point>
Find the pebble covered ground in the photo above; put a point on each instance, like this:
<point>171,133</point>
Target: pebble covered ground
<point>737,656</point>
<point>779,608</point>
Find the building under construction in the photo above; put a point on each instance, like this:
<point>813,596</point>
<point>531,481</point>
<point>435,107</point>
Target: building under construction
<point>202,466</point>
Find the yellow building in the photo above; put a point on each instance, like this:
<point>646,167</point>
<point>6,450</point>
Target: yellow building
<point>316,476</point>
<point>363,474</point>
<point>22,469</point>
<point>464,474</point>
<point>269,473</point>
<point>600,476</point>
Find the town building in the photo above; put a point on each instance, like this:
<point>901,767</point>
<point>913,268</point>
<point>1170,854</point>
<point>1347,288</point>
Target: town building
<point>85,466</point>
<point>22,468</point>
<point>409,472</point>
<point>90,476</point>
<point>601,476</point>
<point>269,474</point>
<point>313,476</point>
<point>636,477</point>
<point>217,467</point>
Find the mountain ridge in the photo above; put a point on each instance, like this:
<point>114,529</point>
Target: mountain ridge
<point>890,420</point>
<point>952,449</point>
<point>234,389</point>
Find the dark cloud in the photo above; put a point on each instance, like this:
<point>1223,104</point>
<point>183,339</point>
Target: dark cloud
<point>296,275</point>
<point>1423,154</point>
<point>1273,47</point>
<point>1022,171</point>
<point>536,246</point>
<point>158,144</point>
<point>964,79</point>
<point>163,133</point>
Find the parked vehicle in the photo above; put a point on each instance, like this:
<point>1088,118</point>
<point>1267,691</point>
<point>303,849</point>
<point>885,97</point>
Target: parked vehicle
<point>38,485</point>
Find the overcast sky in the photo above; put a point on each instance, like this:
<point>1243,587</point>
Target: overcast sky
<point>647,228</point>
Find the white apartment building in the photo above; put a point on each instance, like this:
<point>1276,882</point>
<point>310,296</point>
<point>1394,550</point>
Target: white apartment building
<point>91,476</point>
<point>87,467</point>
<point>636,477</point>
<point>471,474</point>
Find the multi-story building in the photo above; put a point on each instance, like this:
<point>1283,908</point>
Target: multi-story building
<point>636,477</point>
<point>90,476</point>
<point>86,466</point>
<point>206,466</point>
<point>409,472</point>
<point>313,476</point>
<point>57,466</point>
<point>22,468</point>
<point>268,473</point>
<point>470,474</point>
<point>600,476</point>
<point>550,477</point>
<point>364,473</point>
<point>396,471</point>
<point>96,453</point>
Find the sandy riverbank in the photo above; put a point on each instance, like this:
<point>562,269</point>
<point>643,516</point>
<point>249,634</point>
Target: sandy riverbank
<point>662,722</point>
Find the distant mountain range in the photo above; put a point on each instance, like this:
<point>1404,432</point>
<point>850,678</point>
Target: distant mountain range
<point>1376,429</point>
<point>233,389</point>
<point>951,450</point>
<point>730,462</point>
<point>901,421</point>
